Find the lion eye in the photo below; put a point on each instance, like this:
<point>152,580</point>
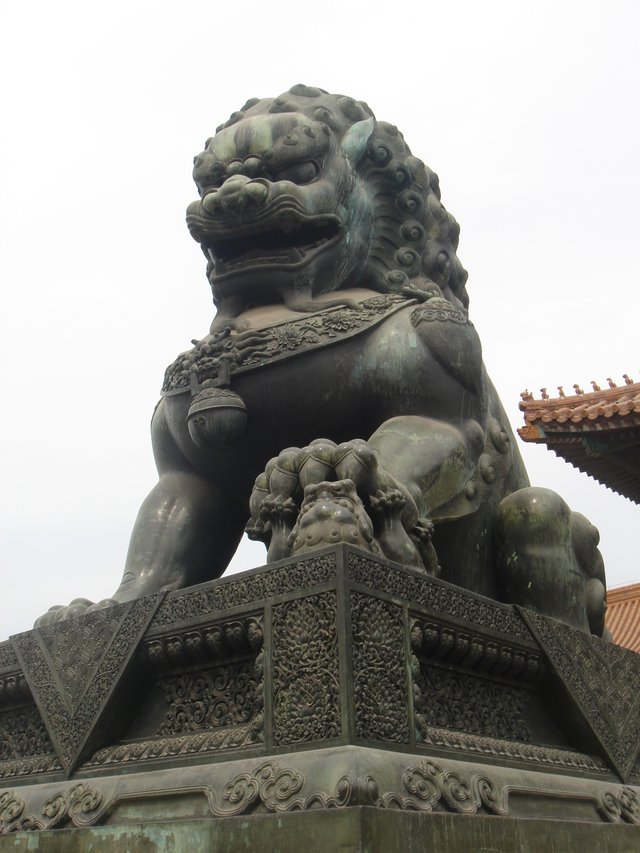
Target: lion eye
<point>300,173</point>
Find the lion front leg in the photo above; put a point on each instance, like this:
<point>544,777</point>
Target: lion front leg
<point>435,461</point>
<point>187,528</point>
<point>186,531</point>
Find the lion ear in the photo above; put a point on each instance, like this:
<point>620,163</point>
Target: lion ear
<point>354,143</point>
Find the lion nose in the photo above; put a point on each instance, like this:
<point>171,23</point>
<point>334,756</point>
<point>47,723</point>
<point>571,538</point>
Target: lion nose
<point>236,194</point>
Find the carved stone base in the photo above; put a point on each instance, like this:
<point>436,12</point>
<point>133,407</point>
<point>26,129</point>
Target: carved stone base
<point>337,698</point>
<point>358,830</point>
<point>344,798</point>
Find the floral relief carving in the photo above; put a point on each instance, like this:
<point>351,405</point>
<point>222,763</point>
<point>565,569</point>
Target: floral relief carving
<point>424,591</point>
<point>603,679</point>
<point>223,595</point>
<point>510,749</point>
<point>305,670</point>
<point>158,748</point>
<point>23,734</point>
<point>209,699</point>
<point>246,351</point>
<point>441,311</point>
<point>71,697</point>
<point>74,649</point>
<point>8,659</point>
<point>380,688</point>
<point>29,766</point>
<point>463,702</point>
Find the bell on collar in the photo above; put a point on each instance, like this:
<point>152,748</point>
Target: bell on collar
<point>217,416</point>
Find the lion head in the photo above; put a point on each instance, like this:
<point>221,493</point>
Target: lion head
<point>308,193</point>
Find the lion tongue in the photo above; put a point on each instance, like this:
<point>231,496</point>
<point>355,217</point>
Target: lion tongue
<point>258,256</point>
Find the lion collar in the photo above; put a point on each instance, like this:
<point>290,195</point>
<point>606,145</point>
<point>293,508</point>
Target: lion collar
<point>224,351</point>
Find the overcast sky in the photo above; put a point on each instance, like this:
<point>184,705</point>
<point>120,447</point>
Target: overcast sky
<point>527,111</point>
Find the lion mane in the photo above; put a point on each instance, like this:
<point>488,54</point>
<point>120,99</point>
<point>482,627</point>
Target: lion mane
<point>414,238</point>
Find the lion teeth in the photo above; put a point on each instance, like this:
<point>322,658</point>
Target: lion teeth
<point>317,243</point>
<point>252,262</point>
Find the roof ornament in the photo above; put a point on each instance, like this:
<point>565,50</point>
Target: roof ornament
<point>526,395</point>
<point>591,430</point>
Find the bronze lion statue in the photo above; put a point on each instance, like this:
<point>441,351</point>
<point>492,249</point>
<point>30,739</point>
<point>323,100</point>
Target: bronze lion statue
<point>340,394</point>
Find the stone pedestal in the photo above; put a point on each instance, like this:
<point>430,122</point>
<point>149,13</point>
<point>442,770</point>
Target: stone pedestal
<point>355,830</point>
<point>333,703</point>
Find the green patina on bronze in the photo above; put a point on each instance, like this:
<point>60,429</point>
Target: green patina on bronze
<point>342,335</point>
<point>342,696</point>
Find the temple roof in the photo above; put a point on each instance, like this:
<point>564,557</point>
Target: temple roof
<point>597,432</point>
<point>623,615</point>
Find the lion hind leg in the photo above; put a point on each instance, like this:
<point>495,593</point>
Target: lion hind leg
<point>548,559</point>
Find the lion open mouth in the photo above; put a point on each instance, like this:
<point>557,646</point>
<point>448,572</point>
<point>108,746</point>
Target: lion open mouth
<point>293,242</point>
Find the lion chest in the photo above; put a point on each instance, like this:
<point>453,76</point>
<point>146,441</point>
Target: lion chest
<point>344,390</point>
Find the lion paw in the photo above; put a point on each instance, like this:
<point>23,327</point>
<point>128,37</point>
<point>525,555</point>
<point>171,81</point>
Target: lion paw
<point>78,607</point>
<point>421,534</point>
<point>327,493</point>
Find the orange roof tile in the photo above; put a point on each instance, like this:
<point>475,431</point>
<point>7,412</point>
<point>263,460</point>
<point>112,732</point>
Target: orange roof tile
<point>598,432</point>
<point>611,406</point>
<point>623,615</point>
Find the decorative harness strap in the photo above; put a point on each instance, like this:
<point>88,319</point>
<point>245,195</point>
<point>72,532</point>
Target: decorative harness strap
<point>227,352</point>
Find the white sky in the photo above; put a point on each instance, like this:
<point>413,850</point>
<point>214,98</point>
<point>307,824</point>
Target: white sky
<point>527,111</point>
